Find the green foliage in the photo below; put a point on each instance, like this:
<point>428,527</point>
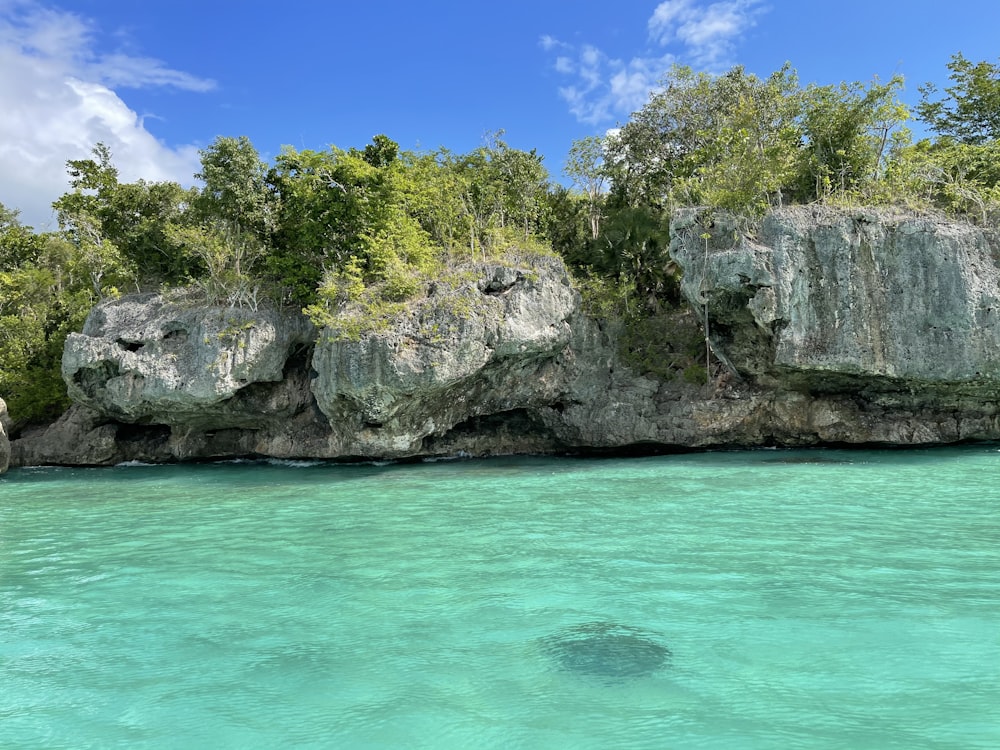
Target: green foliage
<point>744,144</point>
<point>236,190</point>
<point>970,111</point>
<point>585,167</point>
<point>960,178</point>
<point>18,244</point>
<point>39,307</point>
<point>125,223</point>
<point>229,257</point>
<point>846,131</point>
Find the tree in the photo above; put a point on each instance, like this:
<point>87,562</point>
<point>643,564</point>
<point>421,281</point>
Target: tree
<point>44,294</point>
<point>722,140</point>
<point>18,244</point>
<point>970,111</point>
<point>846,130</point>
<point>127,221</point>
<point>236,187</point>
<point>585,167</point>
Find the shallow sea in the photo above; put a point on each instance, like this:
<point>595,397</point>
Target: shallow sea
<point>769,599</point>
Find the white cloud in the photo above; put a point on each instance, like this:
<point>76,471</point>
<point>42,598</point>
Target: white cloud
<point>58,99</point>
<point>549,43</point>
<point>603,88</point>
<point>706,31</point>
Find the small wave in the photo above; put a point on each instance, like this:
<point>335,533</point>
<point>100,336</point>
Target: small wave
<point>454,457</point>
<point>294,463</point>
<point>134,462</point>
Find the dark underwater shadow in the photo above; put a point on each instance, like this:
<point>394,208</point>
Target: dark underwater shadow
<point>607,651</point>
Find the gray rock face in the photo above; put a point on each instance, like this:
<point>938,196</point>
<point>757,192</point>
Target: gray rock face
<point>827,327</point>
<point>145,359</point>
<point>493,346</point>
<point>4,442</point>
<point>824,298</point>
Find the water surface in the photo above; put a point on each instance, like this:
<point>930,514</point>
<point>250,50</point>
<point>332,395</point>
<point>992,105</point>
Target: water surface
<point>727,600</point>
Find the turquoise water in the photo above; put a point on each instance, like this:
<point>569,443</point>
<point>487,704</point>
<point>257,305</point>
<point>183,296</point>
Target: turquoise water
<point>757,600</point>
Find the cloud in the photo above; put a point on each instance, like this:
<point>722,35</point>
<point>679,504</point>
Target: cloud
<point>58,99</point>
<point>707,32</point>
<point>549,43</point>
<point>602,88</point>
<point>605,87</point>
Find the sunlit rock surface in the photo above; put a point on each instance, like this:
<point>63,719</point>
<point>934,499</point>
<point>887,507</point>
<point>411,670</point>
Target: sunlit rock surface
<point>4,442</point>
<point>826,327</point>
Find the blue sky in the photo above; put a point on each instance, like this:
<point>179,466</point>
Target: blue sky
<point>158,79</point>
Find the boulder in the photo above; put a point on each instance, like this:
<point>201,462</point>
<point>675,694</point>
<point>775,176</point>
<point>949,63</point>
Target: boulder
<point>151,359</point>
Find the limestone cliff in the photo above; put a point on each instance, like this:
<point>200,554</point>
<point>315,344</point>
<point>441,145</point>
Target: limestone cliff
<point>826,327</point>
<point>4,442</point>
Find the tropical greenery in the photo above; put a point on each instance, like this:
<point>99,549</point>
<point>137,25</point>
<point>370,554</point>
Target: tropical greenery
<point>357,234</point>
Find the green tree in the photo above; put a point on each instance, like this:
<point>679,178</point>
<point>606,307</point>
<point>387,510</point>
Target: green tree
<point>585,167</point>
<point>724,140</point>
<point>846,131</point>
<point>236,188</point>
<point>970,109</point>
<point>18,244</point>
<point>126,222</point>
<point>44,294</point>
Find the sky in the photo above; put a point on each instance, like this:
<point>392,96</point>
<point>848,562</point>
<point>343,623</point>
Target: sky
<point>160,79</point>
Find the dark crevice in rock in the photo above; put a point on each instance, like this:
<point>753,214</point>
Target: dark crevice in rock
<point>299,359</point>
<point>175,334</point>
<point>143,442</point>
<point>502,281</point>
<point>130,346</point>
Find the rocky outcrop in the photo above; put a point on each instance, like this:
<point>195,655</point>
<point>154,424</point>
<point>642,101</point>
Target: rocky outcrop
<point>147,359</point>
<point>830,301</point>
<point>860,326</point>
<point>493,346</point>
<point>463,370</point>
<point>4,442</point>
<point>826,327</point>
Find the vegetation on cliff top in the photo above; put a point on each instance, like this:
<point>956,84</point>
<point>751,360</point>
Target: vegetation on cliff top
<point>368,229</point>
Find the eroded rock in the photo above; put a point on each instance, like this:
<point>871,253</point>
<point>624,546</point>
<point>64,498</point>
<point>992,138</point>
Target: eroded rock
<point>827,327</point>
<point>4,442</point>
<point>144,358</point>
<point>494,345</point>
<point>836,300</point>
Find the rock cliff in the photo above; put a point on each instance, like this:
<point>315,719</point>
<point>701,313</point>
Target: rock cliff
<point>4,442</point>
<point>826,326</point>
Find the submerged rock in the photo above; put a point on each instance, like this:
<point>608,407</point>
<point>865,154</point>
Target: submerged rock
<point>607,650</point>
